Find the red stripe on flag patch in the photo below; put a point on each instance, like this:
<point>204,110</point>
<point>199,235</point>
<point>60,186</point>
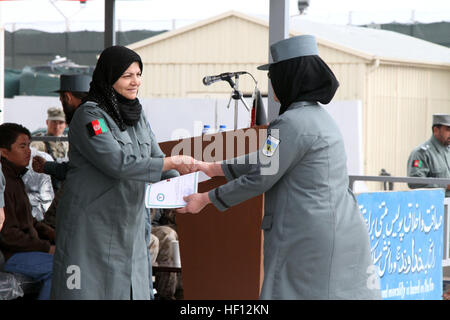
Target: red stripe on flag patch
<point>96,126</point>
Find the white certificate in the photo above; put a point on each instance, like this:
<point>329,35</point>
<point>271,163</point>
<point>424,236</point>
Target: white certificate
<point>169,193</point>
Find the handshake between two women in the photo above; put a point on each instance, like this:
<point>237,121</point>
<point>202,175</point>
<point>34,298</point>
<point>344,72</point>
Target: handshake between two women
<point>186,164</point>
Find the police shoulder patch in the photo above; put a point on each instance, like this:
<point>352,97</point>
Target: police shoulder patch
<point>97,127</point>
<point>417,164</point>
<point>270,146</point>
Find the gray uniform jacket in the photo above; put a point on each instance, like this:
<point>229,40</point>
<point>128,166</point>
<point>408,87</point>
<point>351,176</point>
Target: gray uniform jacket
<point>316,243</point>
<point>100,219</point>
<point>2,188</point>
<point>431,159</point>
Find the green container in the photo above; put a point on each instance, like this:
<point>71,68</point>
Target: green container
<point>12,82</point>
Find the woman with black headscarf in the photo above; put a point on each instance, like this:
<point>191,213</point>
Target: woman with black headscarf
<point>101,252</point>
<point>316,244</point>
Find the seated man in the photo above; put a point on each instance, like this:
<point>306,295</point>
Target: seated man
<point>25,242</point>
<point>38,187</point>
<point>168,285</point>
<point>56,124</point>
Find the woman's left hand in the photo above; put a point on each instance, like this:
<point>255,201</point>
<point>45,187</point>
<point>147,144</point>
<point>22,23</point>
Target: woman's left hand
<point>195,203</point>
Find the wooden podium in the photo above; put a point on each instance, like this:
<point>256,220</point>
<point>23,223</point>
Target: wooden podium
<point>221,252</point>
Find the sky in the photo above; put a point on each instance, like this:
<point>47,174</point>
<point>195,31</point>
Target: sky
<point>60,15</point>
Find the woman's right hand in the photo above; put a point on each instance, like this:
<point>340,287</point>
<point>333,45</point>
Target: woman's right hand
<point>183,164</point>
<point>186,164</point>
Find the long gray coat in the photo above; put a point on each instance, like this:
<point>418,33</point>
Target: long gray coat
<point>100,219</point>
<point>316,244</point>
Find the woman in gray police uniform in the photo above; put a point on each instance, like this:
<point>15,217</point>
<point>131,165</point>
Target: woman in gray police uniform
<point>316,244</point>
<point>101,252</point>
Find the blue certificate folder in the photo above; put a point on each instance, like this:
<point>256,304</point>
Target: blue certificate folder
<point>406,236</point>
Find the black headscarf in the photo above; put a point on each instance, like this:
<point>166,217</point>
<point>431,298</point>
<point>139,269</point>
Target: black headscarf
<point>306,78</point>
<point>113,62</point>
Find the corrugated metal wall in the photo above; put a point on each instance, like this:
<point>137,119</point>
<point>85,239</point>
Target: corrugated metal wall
<point>401,102</point>
<point>398,100</point>
<point>176,66</point>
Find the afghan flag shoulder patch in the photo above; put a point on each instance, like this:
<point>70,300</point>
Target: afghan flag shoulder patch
<point>97,127</point>
<point>417,163</point>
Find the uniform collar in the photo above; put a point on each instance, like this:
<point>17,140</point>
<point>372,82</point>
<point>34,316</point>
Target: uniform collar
<point>300,104</point>
<point>438,145</point>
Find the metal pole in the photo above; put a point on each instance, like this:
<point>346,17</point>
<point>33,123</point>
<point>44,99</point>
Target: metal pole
<point>236,87</point>
<point>410,180</point>
<point>110,34</point>
<point>278,30</point>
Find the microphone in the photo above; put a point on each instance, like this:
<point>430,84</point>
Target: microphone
<point>223,76</point>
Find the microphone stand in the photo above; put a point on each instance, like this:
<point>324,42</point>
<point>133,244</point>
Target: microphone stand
<point>236,95</point>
